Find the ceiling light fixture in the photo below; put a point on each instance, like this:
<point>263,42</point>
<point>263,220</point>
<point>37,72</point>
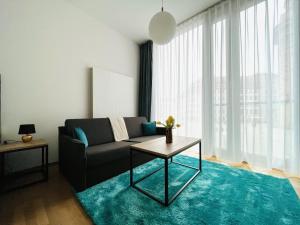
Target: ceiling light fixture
<point>162,27</point>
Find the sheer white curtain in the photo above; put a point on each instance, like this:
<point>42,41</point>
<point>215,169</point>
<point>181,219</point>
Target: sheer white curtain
<point>246,74</point>
<point>267,73</point>
<point>177,79</point>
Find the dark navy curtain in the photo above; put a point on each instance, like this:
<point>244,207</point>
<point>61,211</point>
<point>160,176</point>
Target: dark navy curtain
<point>145,81</point>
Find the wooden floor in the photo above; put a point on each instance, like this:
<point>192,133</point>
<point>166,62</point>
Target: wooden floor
<point>54,203</point>
<point>50,202</point>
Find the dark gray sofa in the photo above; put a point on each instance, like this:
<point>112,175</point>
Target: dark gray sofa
<point>103,158</point>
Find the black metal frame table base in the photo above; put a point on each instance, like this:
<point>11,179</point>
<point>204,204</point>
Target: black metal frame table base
<point>43,169</point>
<point>167,201</point>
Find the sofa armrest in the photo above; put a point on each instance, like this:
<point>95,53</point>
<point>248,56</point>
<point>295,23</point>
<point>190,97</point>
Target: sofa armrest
<point>72,161</point>
<point>161,130</point>
<point>62,130</point>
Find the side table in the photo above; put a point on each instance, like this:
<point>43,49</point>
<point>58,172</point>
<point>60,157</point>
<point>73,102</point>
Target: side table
<point>18,147</point>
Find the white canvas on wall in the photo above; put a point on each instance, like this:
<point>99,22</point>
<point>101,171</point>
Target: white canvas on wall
<point>113,94</point>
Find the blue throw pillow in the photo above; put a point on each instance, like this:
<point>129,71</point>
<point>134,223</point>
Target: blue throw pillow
<point>81,136</point>
<point>149,128</point>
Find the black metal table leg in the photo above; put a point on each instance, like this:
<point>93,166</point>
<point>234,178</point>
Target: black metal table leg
<point>166,182</point>
<point>2,172</point>
<point>46,162</point>
<point>43,159</point>
<point>131,169</point>
<point>200,157</point>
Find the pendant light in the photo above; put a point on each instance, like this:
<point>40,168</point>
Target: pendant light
<point>162,27</point>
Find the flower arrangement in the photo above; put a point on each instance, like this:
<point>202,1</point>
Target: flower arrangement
<point>169,125</point>
<point>170,122</point>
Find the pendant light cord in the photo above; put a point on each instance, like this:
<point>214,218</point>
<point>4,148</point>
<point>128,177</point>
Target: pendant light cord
<point>162,5</point>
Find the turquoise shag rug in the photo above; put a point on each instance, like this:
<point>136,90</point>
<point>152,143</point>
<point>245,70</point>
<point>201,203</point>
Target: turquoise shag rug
<point>219,195</point>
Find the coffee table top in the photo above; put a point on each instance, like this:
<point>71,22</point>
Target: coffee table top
<point>159,147</point>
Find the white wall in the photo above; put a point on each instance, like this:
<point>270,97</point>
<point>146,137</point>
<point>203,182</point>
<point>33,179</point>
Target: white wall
<point>46,50</point>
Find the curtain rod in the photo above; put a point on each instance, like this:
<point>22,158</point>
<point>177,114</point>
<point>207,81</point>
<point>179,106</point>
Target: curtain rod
<point>198,13</point>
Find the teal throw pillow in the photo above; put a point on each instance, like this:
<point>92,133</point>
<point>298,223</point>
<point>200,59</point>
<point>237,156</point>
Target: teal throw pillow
<point>149,128</point>
<point>81,136</point>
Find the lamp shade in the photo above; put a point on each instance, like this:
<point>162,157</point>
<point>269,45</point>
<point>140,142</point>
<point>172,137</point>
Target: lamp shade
<point>162,28</point>
<point>27,129</point>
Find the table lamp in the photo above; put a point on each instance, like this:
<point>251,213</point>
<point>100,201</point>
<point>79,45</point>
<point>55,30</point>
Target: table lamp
<point>26,130</point>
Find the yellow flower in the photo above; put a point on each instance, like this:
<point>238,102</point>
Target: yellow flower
<point>171,119</point>
<point>170,122</point>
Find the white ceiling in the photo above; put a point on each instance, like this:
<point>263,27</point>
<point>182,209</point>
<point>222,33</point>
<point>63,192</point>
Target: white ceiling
<point>131,17</point>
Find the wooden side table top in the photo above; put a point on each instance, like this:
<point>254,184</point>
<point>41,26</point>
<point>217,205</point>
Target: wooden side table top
<point>159,147</point>
<point>35,143</point>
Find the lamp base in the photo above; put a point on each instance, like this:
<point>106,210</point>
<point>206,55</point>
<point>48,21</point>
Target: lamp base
<point>27,138</point>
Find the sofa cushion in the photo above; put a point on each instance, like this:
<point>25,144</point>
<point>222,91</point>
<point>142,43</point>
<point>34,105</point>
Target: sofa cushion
<point>81,136</point>
<point>98,131</point>
<point>100,154</point>
<point>134,126</point>
<point>149,128</point>
<point>144,138</point>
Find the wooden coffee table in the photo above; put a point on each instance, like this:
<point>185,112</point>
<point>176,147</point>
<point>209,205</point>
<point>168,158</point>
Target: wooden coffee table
<point>160,149</point>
